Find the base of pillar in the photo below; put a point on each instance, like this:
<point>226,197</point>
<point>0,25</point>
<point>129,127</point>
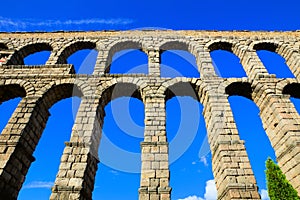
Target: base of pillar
<point>240,191</point>
<point>66,193</point>
<point>161,193</point>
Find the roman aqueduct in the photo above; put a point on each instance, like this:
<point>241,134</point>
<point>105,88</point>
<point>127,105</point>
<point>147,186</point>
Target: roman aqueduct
<point>42,86</point>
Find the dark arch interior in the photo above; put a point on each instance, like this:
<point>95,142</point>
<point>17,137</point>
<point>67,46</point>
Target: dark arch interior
<point>221,46</point>
<point>59,92</point>
<point>292,89</point>
<point>18,57</point>
<point>174,45</point>
<point>8,92</point>
<point>265,46</point>
<point>3,46</point>
<point>181,89</point>
<point>33,48</point>
<point>239,89</point>
<point>68,51</point>
<point>121,90</point>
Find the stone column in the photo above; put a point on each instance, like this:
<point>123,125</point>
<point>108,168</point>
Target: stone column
<point>205,65</point>
<point>17,144</point>
<point>102,65</point>
<point>249,59</point>
<point>76,176</point>
<point>53,58</point>
<point>155,165</point>
<point>154,62</point>
<point>282,124</point>
<point>231,167</point>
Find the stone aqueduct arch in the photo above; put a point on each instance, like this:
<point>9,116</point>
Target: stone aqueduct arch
<point>41,86</point>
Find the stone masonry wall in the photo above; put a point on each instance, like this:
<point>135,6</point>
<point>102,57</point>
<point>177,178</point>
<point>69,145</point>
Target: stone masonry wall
<point>42,86</point>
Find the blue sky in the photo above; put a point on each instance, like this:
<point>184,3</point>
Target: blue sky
<point>190,14</point>
<point>191,174</point>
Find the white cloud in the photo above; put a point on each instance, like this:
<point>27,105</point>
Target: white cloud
<point>83,22</point>
<point>18,24</point>
<point>194,163</point>
<point>210,192</point>
<point>192,198</point>
<point>38,184</point>
<point>264,195</point>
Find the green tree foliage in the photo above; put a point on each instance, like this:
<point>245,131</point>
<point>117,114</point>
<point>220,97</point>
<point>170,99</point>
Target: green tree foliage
<point>278,186</point>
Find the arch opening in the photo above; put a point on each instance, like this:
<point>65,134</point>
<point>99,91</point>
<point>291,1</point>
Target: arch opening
<point>38,58</point>
<point>84,61</point>
<point>37,54</point>
<point>243,89</point>
<point>178,63</point>
<point>34,130</point>
<point>129,61</point>
<point>189,152</point>
<point>7,109</point>
<point>226,63</point>
<point>250,129</point>
<point>119,47</point>
<point>82,54</point>
<point>119,151</point>
<point>274,63</point>
<point>181,89</point>
<point>10,97</point>
<point>57,131</point>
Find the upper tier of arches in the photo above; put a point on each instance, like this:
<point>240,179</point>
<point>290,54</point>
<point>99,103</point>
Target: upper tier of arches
<point>244,49</point>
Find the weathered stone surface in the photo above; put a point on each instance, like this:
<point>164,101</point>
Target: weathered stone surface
<point>42,86</point>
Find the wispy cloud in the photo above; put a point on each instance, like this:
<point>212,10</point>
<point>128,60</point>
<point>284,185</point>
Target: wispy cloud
<point>116,173</point>
<point>210,192</point>
<point>38,184</point>
<point>203,159</point>
<point>23,24</point>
